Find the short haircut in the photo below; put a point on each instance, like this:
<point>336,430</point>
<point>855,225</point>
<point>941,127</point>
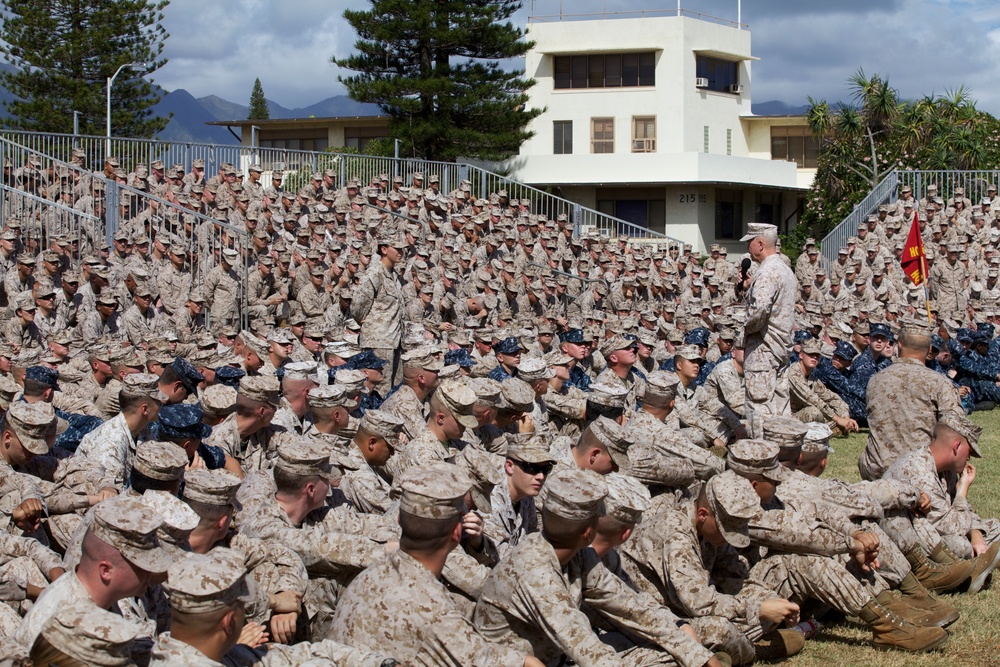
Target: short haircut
<point>437,405</point>
<point>944,432</point>
<point>701,502</point>
<point>208,513</point>
<point>169,375</point>
<point>288,482</point>
<point>246,407</point>
<point>35,388</point>
<point>128,402</point>
<point>423,534</point>
<point>587,440</point>
<point>915,342</point>
<point>608,525</point>
<point>201,622</point>
<point>563,533</point>
<point>811,459</point>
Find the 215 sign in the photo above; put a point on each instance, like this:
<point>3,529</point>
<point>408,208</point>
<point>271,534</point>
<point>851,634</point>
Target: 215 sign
<point>692,199</point>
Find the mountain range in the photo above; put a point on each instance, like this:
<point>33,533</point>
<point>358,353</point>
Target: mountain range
<point>190,113</point>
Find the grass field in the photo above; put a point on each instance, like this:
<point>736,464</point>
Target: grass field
<point>975,637</point>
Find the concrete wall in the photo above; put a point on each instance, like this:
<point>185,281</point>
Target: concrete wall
<point>681,110</point>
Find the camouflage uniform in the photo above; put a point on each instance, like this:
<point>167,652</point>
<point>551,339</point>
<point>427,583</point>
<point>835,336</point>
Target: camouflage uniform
<point>811,401</point>
<point>656,440</point>
<point>666,559</point>
<point>770,320</point>
<point>924,396</point>
<point>722,396</point>
<point>334,544</point>
<point>951,516</point>
<point>378,305</point>
<point>397,606</point>
<point>531,603</point>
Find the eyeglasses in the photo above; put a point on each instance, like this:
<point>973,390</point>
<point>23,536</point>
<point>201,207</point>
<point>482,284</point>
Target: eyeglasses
<point>533,468</point>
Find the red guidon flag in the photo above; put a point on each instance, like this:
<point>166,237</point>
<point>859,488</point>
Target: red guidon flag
<point>914,258</point>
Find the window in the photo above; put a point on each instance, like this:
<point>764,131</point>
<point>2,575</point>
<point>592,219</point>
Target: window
<point>307,139</point>
<point>602,135</point>
<point>722,75</point>
<point>706,138</point>
<point>360,137</point>
<point>647,213</point>
<point>729,142</point>
<point>605,70</point>
<point>728,214</point>
<point>643,134</point>
<point>795,144</point>
<point>562,137</point>
<point>767,207</point>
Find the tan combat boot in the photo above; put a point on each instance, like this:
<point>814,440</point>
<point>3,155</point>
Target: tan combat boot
<point>941,613</point>
<point>779,644</point>
<point>942,554</point>
<point>937,576</point>
<point>984,565</point>
<point>889,631</point>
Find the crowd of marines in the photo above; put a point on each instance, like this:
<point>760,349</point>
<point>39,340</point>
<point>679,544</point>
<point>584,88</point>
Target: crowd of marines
<point>388,424</point>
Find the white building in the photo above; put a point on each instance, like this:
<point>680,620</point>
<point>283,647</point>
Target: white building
<point>649,119</point>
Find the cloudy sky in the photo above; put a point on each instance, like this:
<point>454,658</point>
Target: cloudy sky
<point>806,47</point>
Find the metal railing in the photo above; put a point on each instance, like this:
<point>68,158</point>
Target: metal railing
<point>40,217</point>
<point>639,13</point>
<point>883,193</point>
<point>975,182</point>
<point>132,152</point>
<point>40,179</point>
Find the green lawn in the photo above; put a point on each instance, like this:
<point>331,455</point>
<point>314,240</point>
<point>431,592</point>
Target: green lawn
<point>975,637</point>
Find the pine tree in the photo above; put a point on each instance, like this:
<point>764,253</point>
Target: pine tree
<point>433,66</point>
<point>258,104</point>
<point>64,51</point>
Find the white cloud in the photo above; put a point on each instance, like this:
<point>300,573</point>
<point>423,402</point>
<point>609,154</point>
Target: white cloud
<point>807,48</point>
<point>220,48</point>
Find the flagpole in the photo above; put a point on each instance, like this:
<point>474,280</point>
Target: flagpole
<point>927,291</point>
<point>923,267</point>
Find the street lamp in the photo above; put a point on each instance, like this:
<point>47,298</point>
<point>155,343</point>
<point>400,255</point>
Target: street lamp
<point>138,67</point>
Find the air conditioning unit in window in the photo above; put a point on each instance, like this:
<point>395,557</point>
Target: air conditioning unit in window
<point>644,145</point>
<point>736,88</point>
<point>701,82</point>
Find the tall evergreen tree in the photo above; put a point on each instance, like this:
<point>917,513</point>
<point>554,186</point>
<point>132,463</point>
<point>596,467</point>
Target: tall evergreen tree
<point>258,104</point>
<point>64,51</point>
<point>434,66</point>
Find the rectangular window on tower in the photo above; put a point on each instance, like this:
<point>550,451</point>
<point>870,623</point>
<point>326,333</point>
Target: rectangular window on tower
<point>602,135</point>
<point>562,137</point>
<point>722,76</point>
<point>643,134</point>
<point>604,70</point>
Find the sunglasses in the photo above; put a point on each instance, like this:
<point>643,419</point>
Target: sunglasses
<point>533,468</point>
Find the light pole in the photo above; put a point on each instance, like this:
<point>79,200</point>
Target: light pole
<point>139,67</point>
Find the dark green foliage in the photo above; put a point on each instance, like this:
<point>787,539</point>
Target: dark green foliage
<point>866,139</point>
<point>434,67</point>
<point>258,104</point>
<point>64,51</point>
